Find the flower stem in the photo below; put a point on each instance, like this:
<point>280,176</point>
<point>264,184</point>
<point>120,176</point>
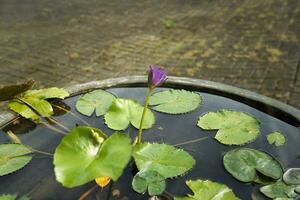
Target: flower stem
<point>71,113</point>
<point>191,141</point>
<point>54,121</point>
<point>41,152</point>
<point>139,137</point>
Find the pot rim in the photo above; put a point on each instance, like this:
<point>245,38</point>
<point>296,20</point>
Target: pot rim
<point>265,104</point>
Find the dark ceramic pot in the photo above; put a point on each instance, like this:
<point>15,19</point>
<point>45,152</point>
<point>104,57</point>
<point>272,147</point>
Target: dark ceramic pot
<point>37,178</point>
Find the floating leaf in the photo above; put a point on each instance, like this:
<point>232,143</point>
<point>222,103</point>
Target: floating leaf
<point>125,111</point>
<point>149,179</point>
<point>10,91</point>
<point>85,154</point>
<point>47,93</point>
<point>234,128</point>
<point>162,158</point>
<point>292,176</point>
<point>208,190</point>
<point>42,107</point>
<point>13,157</point>
<point>23,110</point>
<point>12,197</point>
<point>98,100</point>
<point>244,164</point>
<point>102,181</point>
<point>33,103</point>
<point>297,189</point>
<point>23,198</point>
<point>279,190</point>
<point>8,197</point>
<point>276,138</point>
<point>175,101</point>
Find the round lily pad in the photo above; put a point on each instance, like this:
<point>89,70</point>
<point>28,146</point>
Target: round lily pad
<point>276,138</point>
<point>208,190</point>
<point>122,112</point>
<point>96,101</point>
<point>149,179</point>
<point>279,190</point>
<point>247,164</point>
<point>13,157</point>
<point>234,127</point>
<point>175,101</point>
<point>162,158</point>
<point>86,153</point>
<point>292,176</point>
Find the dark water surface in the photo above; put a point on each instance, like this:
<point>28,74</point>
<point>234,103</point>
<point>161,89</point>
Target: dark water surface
<point>38,181</point>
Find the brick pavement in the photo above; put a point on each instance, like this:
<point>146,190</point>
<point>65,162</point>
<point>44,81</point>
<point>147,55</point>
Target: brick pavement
<point>249,44</point>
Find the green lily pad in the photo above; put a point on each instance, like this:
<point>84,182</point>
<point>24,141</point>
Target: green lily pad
<point>162,158</point>
<point>175,101</point>
<point>10,91</point>
<point>292,176</point>
<point>8,197</point>
<point>276,138</point>
<point>234,128</point>
<point>246,165</point>
<point>98,100</point>
<point>208,190</point>
<point>297,189</point>
<point>125,111</point>
<point>13,157</point>
<point>279,190</point>
<point>149,179</point>
<point>86,153</point>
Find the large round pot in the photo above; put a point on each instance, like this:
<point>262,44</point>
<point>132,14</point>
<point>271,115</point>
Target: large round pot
<point>38,180</point>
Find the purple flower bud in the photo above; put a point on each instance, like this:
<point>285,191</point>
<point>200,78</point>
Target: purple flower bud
<point>156,76</point>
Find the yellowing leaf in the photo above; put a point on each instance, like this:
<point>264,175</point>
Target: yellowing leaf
<point>102,181</point>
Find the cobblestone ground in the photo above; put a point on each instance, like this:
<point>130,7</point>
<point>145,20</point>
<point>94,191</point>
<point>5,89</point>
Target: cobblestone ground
<point>249,44</point>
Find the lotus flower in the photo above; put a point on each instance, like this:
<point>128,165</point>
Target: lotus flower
<point>156,76</point>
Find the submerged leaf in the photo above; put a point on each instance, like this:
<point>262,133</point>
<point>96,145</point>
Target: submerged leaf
<point>234,128</point>
<point>279,190</point>
<point>247,164</point>
<point>292,176</point>
<point>162,158</point>
<point>175,101</point>
<point>86,154</point>
<point>149,179</point>
<point>208,190</point>
<point>102,181</point>
<point>276,138</point>
<point>97,100</point>
<point>13,157</point>
<point>125,111</point>
<point>10,91</point>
